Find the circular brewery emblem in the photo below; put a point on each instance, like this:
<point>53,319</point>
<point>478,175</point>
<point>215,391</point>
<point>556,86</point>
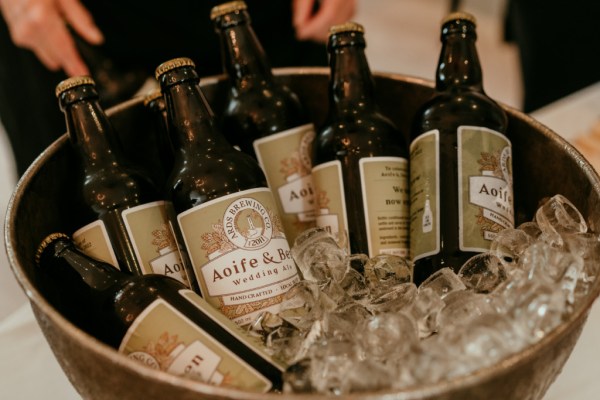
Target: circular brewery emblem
<point>248,224</point>
<point>305,149</point>
<point>145,358</point>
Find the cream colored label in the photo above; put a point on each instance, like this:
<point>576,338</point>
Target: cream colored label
<point>163,338</point>
<point>253,342</point>
<point>93,240</point>
<point>239,253</point>
<point>330,201</point>
<point>485,186</point>
<point>384,185</point>
<point>424,199</point>
<point>154,242</point>
<point>285,157</point>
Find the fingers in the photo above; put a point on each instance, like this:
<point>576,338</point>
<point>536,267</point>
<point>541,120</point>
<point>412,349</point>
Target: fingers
<point>331,12</point>
<point>40,26</point>
<point>80,19</point>
<point>301,12</point>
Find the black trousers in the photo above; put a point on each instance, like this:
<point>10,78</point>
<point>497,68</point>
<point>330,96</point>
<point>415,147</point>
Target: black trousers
<point>138,37</point>
<point>559,46</point>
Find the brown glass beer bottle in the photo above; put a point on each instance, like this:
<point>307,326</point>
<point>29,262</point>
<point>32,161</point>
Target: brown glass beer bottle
<point>135,229</point>
<point>461,173</point>
<point>360,158</point>
<point>226,212</point>
<point>156,320</point>
<point>265,118</point>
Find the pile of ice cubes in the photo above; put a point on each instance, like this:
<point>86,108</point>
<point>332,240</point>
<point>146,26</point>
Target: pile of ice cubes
<point>358,324</point>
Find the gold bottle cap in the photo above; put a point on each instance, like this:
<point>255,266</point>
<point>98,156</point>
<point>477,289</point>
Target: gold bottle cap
<point>172,64</point>
<point>349,26</point>
<point>72,82</point>
<point>227,8</point>
<point>46,242</point>
<point>465,16</point>
<point>152,95</point>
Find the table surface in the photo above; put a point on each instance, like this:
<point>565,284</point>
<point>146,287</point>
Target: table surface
<point>28,369</point>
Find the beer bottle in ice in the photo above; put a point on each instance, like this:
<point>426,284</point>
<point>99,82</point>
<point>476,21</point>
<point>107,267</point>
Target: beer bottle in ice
<point>461,174</point>
<point>135,226</point>
<point>360,159</point>
<point>154,102</point>
<point>265,118</point>
<point>156,320</point>
<point>226,212</point>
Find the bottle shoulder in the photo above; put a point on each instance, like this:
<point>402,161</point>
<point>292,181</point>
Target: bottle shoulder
<point>449,110</point>
<point>116,187</point>
<point>266,109</point>
<point>368,135</point>
<point>205,177</point>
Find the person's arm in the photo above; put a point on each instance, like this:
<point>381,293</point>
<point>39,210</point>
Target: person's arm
<point>312,25</point>
<point>41,26</point>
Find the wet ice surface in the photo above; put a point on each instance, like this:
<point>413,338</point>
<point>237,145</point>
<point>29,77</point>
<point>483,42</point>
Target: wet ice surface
<point>358,324</point>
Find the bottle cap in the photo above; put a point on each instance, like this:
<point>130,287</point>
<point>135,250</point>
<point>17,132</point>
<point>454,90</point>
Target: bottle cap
<point>172,64</point>
<point>227,8</point>
<point>349,26</point>
<point>46,242</point>
<point>151,96</point>
<point>459,15</point>
<point>70,83</point>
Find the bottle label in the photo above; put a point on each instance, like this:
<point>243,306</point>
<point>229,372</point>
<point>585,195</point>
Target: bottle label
<point>163,338</point>
<point>285,157</point>
<point>485,200</point>
<point>93,240</point>
<point>239,253</point>
<point>253,342</point>
<point>424,199</point>
<point>486,186</point>
<point>149,229</point>
<point>384,184</point>
<point>330,201</point>
<point>154,240</point>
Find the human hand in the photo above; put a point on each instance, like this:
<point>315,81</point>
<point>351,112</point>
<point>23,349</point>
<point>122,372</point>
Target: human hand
<point>41,26</point>
<point>315,26</point>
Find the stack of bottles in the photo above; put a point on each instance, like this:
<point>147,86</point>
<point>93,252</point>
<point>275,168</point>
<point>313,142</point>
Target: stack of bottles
<point>184,265</point>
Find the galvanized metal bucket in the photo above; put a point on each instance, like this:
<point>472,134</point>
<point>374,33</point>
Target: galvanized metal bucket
<point>46,200</point>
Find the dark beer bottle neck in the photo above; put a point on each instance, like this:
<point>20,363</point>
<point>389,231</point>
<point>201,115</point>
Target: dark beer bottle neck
<point>244,58</point>
<point>89,129</point>
<point>458,66</point>
<point>97,275</point>
<point>190,117</point>
<point>351,85</point>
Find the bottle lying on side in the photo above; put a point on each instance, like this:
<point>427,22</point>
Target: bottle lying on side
<point>156,320</point>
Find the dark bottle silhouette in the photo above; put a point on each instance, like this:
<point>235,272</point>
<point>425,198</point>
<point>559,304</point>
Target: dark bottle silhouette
<point>225,210</point>
<point>360,158</point>
<point>461,173</point>
<point>136,228</point>
<point>156,320</point>
<point>265,118</point>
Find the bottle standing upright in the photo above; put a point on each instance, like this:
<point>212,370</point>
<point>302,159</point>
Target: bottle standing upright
<point>360,158</point>
<point>265,118</point>
<point>136,228</point>
<point>156,320</point>
<point>226,212</point>
<point>461,160</point>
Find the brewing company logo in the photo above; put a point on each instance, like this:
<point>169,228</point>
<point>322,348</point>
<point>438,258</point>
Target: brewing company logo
<point>248,224</point>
